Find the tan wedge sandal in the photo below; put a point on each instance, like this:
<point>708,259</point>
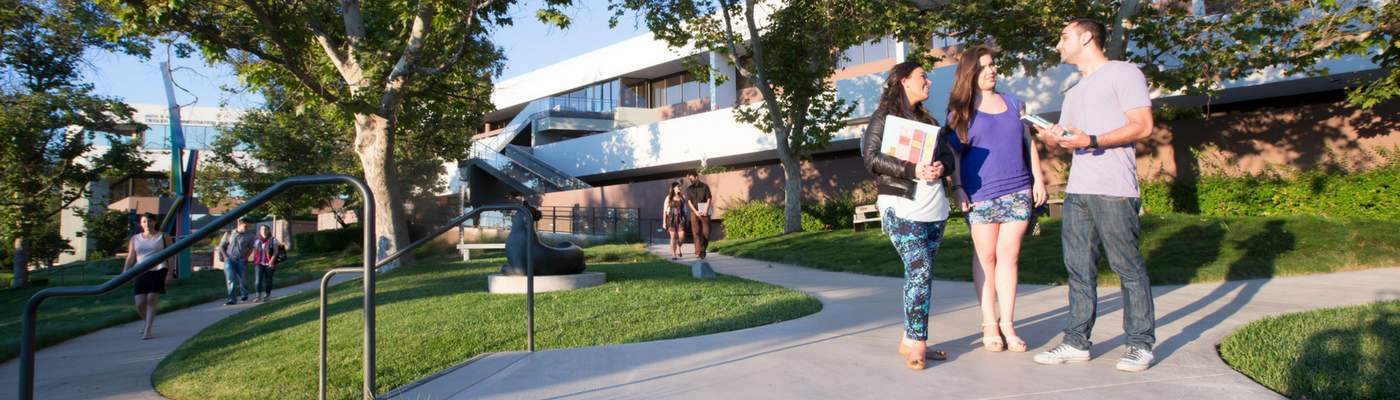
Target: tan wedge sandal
<point>1013,343</point>
<point>992,343</point>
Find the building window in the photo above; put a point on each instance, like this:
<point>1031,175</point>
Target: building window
<point>676,89</point>
<point>598,97</point>
<point>868,52</point>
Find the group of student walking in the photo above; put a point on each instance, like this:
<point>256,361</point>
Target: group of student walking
<point>236,249</point>
<point>989,161</point>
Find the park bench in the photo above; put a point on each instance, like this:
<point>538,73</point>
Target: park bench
<point>466,248</point>
<point>863,215</point>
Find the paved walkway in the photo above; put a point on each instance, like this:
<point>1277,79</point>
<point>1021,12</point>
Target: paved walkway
<point>114,363</point>
<point>847,350</point>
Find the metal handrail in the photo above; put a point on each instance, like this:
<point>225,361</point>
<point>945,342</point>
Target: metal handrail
<point>29,318</point>
<point>529,286</point>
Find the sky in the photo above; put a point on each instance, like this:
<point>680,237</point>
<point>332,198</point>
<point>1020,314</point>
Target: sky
<point>528,45</point>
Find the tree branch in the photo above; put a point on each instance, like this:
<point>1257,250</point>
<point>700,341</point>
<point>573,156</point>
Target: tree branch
<point>328,44</point>
<point>760,82</point>
<point>404,68</point>
<point>461,46</point>
<point>213,34</point>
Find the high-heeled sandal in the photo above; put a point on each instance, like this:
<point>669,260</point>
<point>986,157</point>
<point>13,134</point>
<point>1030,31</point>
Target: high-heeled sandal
<point>1013,343</point>
<point>992,343</point>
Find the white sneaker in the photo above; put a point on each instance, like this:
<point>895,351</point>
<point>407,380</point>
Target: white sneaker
<point>1135,360</point>
<point>1062,354</point>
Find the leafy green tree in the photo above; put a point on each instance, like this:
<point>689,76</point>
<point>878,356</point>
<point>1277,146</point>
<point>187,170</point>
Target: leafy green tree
<point>289,136</point>
<point>48,119</point>
<point>379,65</point>
<point>789,50</point>
<point>1190,46</point>
<point>47,245</point>
<point>108,230</point>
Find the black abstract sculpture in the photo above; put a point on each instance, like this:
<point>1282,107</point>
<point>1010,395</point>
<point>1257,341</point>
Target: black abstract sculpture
<point>563,259</point>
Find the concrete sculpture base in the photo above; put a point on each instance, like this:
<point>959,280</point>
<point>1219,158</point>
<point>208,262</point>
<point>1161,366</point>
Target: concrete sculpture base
<point>505,284</point>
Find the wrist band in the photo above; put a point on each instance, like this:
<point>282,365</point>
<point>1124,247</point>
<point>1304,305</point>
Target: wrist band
<point>1093,142</point>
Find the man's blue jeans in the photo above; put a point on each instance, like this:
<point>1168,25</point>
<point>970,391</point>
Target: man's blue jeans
<point>233,278</point>
<point>1110,221</point>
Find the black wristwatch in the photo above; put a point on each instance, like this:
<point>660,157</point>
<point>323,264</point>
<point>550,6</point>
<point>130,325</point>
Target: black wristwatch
<point>1093,142</point>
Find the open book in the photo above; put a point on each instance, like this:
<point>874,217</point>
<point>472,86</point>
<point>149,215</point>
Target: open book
<point>909,140</point>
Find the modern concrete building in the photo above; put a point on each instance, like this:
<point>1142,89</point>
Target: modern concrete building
<point>150,190</point>
<point>612,127</point>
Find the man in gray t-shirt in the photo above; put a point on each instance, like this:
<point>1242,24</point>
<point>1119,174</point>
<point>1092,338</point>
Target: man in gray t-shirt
<point>233,250</point>
<point>1103,115</point>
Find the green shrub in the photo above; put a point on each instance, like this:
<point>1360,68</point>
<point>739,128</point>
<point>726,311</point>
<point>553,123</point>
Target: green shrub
<point>1373,194</point>
<point>328,240</point>
<point>108,230</point>
<point>833,213</point>
<point>757,219</point>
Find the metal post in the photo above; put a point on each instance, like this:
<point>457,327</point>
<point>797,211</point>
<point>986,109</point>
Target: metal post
<point>368,259</point>
<point>530,289</point>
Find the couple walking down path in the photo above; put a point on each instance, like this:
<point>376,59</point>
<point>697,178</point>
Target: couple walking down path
<point>843,351</point>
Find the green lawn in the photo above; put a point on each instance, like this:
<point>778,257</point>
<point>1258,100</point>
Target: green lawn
<point>1179,248</point>
<point>437,314</point>
<point>1338,353</point>
<point>65,318</point>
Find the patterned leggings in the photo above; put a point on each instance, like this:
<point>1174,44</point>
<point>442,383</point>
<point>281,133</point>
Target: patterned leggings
<point>917,244</point>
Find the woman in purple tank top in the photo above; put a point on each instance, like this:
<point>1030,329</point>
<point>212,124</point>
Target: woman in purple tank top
<point>998,185</point>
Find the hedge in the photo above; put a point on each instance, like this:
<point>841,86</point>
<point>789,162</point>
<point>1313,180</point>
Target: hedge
<point>328,240</point>
<point>1372,194</point>
<point>755,219</point>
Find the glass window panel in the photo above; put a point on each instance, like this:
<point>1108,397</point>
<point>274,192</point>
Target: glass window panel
<point>658,95</point>
<point>876,50</point>
<point>673,94</point>
<point>705,90</point>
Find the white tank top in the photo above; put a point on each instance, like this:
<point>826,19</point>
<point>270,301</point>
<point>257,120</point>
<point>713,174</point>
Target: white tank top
<point>146,247</point>
<point>928,205</point>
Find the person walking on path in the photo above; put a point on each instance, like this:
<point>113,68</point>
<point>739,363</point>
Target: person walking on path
<point>234,249</point>
<point>913,205</point>
<point>265,249</point>
<point>1103,115</point>
<point>150,284</point>
<point>999,180</point>
<point>698,201</point>
<point>673,218</point>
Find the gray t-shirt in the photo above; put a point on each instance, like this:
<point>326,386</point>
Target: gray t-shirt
<point>237,246</point>
<point>1097,105</point>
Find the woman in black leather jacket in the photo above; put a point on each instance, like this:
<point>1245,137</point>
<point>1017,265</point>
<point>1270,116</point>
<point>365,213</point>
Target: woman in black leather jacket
<point>912,203</point>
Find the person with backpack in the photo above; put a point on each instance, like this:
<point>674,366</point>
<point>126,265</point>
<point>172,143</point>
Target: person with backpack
<point>266,254</point>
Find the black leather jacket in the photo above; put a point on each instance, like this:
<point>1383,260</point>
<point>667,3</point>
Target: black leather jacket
<point>892,175</point>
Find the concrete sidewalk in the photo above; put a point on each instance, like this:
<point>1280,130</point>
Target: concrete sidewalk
<point>847,350</point>
<point>114,363</point>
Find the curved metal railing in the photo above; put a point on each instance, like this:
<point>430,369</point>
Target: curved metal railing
<point>29,318</point>
<point>529,289</point>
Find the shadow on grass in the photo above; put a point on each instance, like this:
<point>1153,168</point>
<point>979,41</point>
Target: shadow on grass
<point>1335,364</point>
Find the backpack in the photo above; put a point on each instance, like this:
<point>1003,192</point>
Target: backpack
<point>280,253</point>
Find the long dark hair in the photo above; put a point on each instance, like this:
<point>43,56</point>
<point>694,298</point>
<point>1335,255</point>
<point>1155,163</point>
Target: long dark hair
<point>962,101</point>
<point>671,193</point>
<point>894,101</point>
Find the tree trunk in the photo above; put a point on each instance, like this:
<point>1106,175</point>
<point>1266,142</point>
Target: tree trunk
<point>792,187</point>
<point>21,264</point>
<point>375,148</point>
<point>1116,45</point>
